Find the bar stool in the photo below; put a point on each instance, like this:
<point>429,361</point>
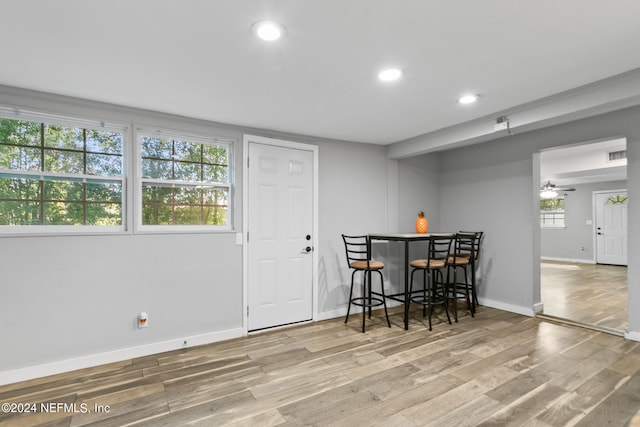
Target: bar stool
<point>433,292</point>
<point>464,252</point>
<point>358,250</point>
<point>474,260</point>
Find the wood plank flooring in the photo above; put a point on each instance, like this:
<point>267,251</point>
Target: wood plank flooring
<point>498,368</point>
<point>591,294</point>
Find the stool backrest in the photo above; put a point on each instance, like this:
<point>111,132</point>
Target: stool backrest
<point>466,245</point>
<point>477,242</point>
<point>357,248</point>
<point>440,247</point>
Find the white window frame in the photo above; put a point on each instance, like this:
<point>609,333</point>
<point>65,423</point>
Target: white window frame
<point>66,121</point>
<point>140,180</point>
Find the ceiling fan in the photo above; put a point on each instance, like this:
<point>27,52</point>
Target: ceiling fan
<point>549,190</point>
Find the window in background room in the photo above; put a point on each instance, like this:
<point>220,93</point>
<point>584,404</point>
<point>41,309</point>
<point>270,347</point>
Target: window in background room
<point>185,181</point>
<point>552,213</point>
<point>60,177</point>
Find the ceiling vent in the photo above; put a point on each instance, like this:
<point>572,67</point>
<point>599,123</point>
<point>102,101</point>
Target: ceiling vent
<point>617,155</point>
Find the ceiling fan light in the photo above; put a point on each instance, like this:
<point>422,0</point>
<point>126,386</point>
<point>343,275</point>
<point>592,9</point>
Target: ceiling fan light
<point>548,194</point>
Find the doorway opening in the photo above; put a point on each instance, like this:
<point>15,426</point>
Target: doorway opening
<point>576,286</point>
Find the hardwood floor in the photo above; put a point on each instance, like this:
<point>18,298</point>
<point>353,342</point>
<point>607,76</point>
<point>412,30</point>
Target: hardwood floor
<point>591,294</point>
<point>498,368</point>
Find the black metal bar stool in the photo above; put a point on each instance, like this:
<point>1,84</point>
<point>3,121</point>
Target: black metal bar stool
<point>474,260</point>
<point>358,250</point>
<point>460,259</point>
<point>433,286</point>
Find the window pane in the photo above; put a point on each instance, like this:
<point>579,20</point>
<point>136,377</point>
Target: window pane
<point>216,173</point>
<point>187,196</point>
<point>104,192</point>
<point>156,205</point>
<point>188,215</point>
<point>188,171</point>
<point>187,151</point>
<point>157,169</point>
<point>19,213</point>
<point>104,214</point>
<point>216,206</point>
<point>17,132</point>
<point>552,204</point>
<point>63,137</point>
<point>63,213</point>
<point>19,158</point>
<point>63,190</point>
<point>19,189</point>
<point>215,155</point>
<point>156,148</point>
<point>187,205</point>
<point>155,194</point>
<point>105,165</point>
<point>104,142</point>
<point>64,161</point>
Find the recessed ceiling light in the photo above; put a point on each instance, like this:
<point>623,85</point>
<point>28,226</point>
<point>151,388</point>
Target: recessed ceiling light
<point>468,99</point>
<point>268,30</point>
<point>390,74</point>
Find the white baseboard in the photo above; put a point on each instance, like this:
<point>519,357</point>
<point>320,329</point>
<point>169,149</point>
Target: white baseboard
<point>332,314</point>
<point>538,308</point>
<point>58,367</point>
<point>518,309</point>
<point>574,260</point>
<point>632,335</point>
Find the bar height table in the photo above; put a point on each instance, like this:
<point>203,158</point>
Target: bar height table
<point>406,238</point>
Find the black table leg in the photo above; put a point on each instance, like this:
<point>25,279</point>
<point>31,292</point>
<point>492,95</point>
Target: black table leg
<point>406,285</point>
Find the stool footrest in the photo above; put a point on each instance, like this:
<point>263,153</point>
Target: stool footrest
<point>367,302</point>
<point>428,301</point>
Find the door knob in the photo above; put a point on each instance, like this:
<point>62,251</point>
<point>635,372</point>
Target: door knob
<point>307,249</point>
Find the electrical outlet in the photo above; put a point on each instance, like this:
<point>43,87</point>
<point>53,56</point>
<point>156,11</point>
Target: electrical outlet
<point>143,320</point>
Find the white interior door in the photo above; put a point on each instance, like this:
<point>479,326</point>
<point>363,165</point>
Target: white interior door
<point>611,227</point>
<point>280,240</point>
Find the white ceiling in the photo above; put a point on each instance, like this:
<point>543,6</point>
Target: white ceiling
<point>198,58</point>
<point>583,164</point>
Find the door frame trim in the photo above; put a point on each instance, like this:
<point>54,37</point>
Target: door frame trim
<point>246,139</point>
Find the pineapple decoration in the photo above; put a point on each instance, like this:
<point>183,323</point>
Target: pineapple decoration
<point>422,224</point>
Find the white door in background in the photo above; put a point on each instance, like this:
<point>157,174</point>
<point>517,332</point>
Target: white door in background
<point>611,227</point>
<point>280,240</point>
